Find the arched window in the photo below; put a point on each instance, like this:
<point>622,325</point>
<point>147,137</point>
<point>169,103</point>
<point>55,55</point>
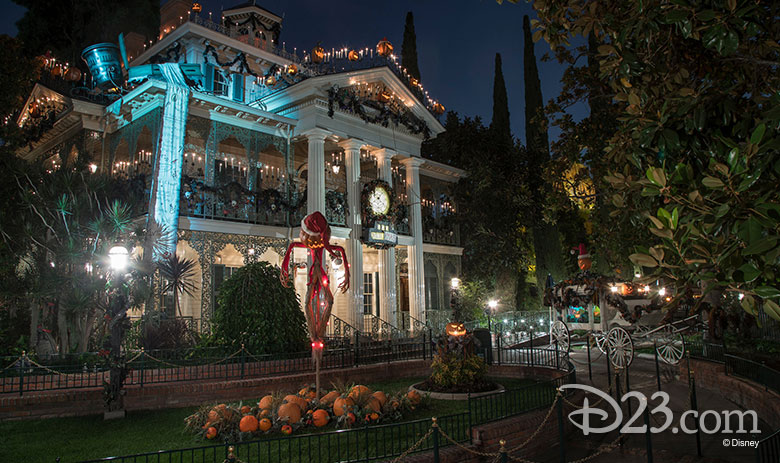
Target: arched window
<point>431,287</point>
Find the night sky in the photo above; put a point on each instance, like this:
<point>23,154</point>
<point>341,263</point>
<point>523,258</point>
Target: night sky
<point>456,43</point>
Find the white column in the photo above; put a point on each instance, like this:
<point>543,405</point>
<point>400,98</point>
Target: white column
<point>387,291</point>
<point>416,264</point>
<point>354,245</point>
<point>315,184</point>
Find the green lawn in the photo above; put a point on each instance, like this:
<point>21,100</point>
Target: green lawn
<point>76,439</point>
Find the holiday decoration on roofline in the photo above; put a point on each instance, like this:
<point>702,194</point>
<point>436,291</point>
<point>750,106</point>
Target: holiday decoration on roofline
<point>382,109</point>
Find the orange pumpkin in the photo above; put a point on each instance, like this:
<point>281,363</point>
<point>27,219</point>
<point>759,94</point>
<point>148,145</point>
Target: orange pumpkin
<point>266,402</point>
<point>289,412</point>
<point>73,74</point>
<point>317,54</point>
<point>384,47</point>
<point>374,404</point>
<point>213,416</point>
<point>264,412</point>
<point>265,424</point>
<point>359,391</point>
<point>211,433</point>
<point>248,424</point>
<point>246,409</point>
<point>381,397</point>
<point>414,397</point>
<point>374,416</point>
<point>292,69</point>
<point>395,404</point>
<point>341,404</point>
<point>308,392</point>
<point>287,429</point>
<point>301,403</point>
<point>329,398</point>
<point>320,418</point>
<point>351,418</point>
<point>353,55</point>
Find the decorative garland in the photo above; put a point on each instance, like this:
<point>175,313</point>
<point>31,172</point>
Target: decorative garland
<point>348,100</point>
<point>275,30</point>
<point>170,55</point>
<point>234,196</point>
<point>240,59</point>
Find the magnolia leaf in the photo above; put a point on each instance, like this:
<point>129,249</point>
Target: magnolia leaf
<point>746,273</point>
<point>772,309</point>
<point>749,305</point>
<point>767,291</point>
<point>643,260</point>
<point>758,134</point>
<point>759,247</point>
<point>712,182</point>
<point>633,98</point>
<point>657,253</point>
<point>665,233</point>
<point>656,222</point>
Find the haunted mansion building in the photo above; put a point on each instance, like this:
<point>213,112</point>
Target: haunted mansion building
<point>243,136</point>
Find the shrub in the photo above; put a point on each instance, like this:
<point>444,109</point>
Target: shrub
<point>256,310</point>
<point>458,370</point>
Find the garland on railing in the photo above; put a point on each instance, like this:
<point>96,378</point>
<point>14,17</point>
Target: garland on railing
<point>234,196</point>
<point>346,99</point>
<point>240,59</point>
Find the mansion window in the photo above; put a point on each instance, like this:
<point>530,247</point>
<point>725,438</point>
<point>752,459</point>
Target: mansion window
<point>369,294</point>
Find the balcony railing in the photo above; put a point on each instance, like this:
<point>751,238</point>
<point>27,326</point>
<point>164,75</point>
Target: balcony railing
<point>448,234</point>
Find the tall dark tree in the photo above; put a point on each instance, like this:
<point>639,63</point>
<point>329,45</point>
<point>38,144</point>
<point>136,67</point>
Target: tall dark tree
<point>68,26</point>
<point>500,122</point>
<point>409,48</point>
<point>547,246</point>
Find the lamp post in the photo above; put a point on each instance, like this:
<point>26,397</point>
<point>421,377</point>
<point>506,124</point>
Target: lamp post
<point>117,314</point>
<point>492,304</point>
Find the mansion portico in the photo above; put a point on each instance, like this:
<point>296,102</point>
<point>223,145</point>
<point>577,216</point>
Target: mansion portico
<point>270,135</point>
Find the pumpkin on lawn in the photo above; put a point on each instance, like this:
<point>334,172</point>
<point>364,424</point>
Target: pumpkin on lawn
<point>374,404</point>
<point>300,402</point>
<point>414,397</point>
<point>341,404</point>
<point>264,424</point>
<point>246,409</point>
<point>329,398</point>
<point>320,418</point>
<point>266,402</point>
<point>359,391</point>
<point>287,429</point>
<point>248,424</point>
<point>211,433</point>
<point>381,397</point>
<point>308,393</point>
<point>289,412</point>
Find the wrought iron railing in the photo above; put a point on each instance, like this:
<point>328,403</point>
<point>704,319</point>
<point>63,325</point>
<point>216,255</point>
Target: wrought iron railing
<point>412,325</point>
<point>236,206</point>
<point>336,208</point>
<point>338,328</point>
<point>377,328</point>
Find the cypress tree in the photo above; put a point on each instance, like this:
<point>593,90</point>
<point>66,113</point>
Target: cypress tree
<point>547,246</point>
<point>409,48</point>
<point>500,122</point>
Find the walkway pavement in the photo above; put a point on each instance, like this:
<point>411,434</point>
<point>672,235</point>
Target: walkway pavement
<point>667,446</point>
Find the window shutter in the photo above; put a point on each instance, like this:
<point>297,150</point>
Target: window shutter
<point>238,87</point>
<point>208,73</point>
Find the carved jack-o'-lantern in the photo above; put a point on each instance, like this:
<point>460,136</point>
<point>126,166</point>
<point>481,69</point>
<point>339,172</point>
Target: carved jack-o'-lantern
<point>353,55</point>
<point>413,82</point>
<point>438,108</point>
<point>292,69</point>
<point>317,54</point>
<point>196,7</point>
<point>455,329</point>
<point>384,48</point>
<point>270,81</point>
<point>73,74</point>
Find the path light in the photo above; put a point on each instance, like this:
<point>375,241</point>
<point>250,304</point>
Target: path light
<point>455,283</point>
<point>118,257</point>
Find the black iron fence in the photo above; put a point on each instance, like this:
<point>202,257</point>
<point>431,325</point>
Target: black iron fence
<point>26,373</point>
<point>382,442</point>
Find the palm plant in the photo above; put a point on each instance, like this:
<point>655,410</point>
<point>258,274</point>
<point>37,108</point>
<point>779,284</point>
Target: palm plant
<point>178,275</point>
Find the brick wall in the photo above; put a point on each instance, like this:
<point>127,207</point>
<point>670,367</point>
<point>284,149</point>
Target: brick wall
<point>745,393</point>
<point>49,404</point>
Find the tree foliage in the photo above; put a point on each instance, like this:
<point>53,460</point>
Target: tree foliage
<point>692,157</point>
<point>409,48</point>
<point>66,27</point>
<point>256,310</point>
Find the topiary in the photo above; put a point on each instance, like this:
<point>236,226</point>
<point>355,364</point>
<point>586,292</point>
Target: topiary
<point>256,310</point>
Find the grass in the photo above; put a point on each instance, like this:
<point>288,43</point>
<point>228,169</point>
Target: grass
<point>83,438</point>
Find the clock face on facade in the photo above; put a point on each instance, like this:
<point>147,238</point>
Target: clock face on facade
<point>379,201</point>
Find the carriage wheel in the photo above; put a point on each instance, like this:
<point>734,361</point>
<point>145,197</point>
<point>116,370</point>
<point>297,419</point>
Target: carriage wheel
<point>670,345</point>
<point>560,335</point>
<point>600,339</point>
<point>621,347</point>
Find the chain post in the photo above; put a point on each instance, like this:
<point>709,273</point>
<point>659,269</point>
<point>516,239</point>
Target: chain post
<point>657,366</point>
<point>21,372</point>
<point>648,434</point>
<point>143,358</point>
<point>561,431</point>
<point>502,451</point>
<point>590,369</point>
<point>694,406</point>
<point>243,359</point>
<point>435,427</point>
<point>618,394</point>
